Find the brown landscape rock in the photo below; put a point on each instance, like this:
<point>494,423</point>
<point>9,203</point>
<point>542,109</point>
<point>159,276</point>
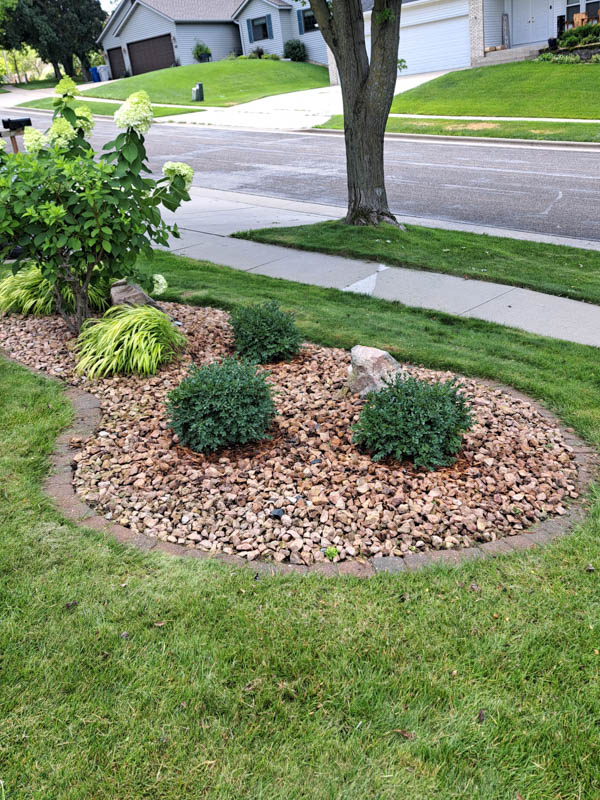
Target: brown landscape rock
<point>369,368</point>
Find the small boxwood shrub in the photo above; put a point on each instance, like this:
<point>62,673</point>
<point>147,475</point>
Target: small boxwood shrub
<point>271,57</point>
<point>128,339</point>
<point>295,50</point>
<point>221,404</point>
<point>265,334</point>
<point>413,419</point>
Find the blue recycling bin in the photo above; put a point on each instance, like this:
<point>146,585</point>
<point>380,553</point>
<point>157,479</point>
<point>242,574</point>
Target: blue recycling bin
<point>95,74</point>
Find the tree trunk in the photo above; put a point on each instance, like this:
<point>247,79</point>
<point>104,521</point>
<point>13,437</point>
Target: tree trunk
<point>367,92</point>
<point>85,67</point>
<point>67,63</point>
<point>57,73</point>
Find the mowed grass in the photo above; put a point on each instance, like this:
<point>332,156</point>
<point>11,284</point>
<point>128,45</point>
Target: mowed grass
<point>548,131</point>
<point>226,83</point>
<point>522,89</point>
<point>564,271</point>
<point>42,83</point>
<point>131,675</point>
<point>106,109</point>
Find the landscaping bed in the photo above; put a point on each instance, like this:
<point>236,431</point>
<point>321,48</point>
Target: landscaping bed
<point>308,489</point>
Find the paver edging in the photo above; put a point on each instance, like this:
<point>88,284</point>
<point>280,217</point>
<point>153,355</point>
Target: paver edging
<point>59,487</point>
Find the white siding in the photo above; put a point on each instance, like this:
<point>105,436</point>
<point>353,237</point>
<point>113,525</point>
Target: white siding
<point>434,36</point>
<point>492,22</point>
<point>222,38</point>
<point>255,9</point>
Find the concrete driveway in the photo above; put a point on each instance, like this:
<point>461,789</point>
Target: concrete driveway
<point>288,112</point>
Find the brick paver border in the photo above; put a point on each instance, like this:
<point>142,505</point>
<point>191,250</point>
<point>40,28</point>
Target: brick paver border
<point>59,487</point>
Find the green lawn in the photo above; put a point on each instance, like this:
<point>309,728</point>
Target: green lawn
<point>565,271</point>
<point>43,83</point>
<point>226,83</point>
<point>412,686</point>
<point>107,109</point>
<point>549,131</point>
<point>523,89</point>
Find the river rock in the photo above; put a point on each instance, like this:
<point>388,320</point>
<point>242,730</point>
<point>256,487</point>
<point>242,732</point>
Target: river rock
<point>369,369</point>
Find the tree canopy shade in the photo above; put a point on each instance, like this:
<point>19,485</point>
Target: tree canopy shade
<point>57,29</point>
<point>367,91</point>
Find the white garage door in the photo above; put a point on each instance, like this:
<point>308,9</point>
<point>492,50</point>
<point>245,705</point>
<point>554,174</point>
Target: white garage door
<point>433,46</point>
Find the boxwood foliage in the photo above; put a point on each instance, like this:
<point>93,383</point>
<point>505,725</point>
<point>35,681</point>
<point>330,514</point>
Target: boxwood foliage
<point>265,334</point>
<point>128,339</point>
<point>221,404</point>
<point>413,419</point>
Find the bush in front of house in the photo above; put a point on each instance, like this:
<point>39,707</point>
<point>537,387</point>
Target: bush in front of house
<point>265,334</point>
<point>28,292</point>
<point>252,55</point>
<point>79,217</point>
<point>128,340</point>
<point>201,51</point>
<point>295,50</point>
<point>416,420</point>
<point>258,52</point>
<point>585,34</point>
<point>271,57</point>
<point>221,404</point>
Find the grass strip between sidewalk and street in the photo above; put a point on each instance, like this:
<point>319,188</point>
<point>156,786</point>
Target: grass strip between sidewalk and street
<point>107,109</point>
<point>517,129</point>
<point>560,270</point>
<point>131,675</point>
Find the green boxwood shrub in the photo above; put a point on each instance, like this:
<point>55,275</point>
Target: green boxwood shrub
<point>221,404</point>
<point>128,339</point>
<point>271,57</point>
<point>28,292</point>
<point>265,334</point>
<point>295,50</point>
<point>413,419</point>
<point>585,34</point>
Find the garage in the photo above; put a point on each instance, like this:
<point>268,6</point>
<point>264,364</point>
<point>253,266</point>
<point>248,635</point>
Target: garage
<point>434,46</point>
<point>116,62</point>
<point>150,54</point>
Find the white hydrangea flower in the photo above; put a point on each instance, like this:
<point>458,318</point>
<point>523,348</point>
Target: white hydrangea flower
<point>66,87</point>
<point>34,140</point>
<point>61,133</point>
<point>85,119</point>
<point>160,285</point>
<point>2,144</point>
<point>173,168</point>
<point>136,112</point>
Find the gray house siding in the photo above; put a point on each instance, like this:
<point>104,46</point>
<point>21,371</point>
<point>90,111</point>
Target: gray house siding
<point>492,22</point>
<point>257,8</point>
<point>315,44</point>
<point>222,38</point>
<point>143,23</point>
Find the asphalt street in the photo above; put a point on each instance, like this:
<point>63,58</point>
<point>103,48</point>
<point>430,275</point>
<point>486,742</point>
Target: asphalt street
<point>544,190</point>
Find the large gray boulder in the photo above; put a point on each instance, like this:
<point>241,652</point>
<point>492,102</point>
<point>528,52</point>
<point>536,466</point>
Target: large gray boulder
<point>130,294</point>
<point>370,367</point>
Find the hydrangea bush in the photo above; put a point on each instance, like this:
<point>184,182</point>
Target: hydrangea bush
<point>81,218</point>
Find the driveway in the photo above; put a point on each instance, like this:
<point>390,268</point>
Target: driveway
<point>292,112</point>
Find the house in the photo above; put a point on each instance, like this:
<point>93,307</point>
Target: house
<point>435,35</point>
<point>144,35</point>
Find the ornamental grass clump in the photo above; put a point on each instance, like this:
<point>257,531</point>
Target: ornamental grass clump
<point>28,292</point>
<point>265,334</point>
<point>128,340</point>
<point>416,420</point>
<point>221,404</point>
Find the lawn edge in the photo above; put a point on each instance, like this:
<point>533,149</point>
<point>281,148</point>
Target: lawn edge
<point>59,488</point>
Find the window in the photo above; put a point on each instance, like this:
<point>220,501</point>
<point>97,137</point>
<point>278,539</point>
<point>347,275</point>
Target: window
<point>571,11</point>
<point>309,23</point>
<point>592,9</point>
<point>259,28</point>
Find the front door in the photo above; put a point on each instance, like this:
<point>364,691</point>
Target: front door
<point>531,20</point>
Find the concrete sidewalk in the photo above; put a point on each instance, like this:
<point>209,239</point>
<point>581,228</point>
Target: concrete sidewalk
<point>207,222</point>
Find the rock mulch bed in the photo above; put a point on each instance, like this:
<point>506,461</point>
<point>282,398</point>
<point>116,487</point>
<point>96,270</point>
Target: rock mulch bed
<point>307,489</point>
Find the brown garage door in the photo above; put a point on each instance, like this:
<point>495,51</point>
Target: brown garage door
<point>149,54</point>
<point>117,62</point>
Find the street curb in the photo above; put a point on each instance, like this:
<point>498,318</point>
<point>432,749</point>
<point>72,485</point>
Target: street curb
<point>59,487</point>
<point>548,144</point>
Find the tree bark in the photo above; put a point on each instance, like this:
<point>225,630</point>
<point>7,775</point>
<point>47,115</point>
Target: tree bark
<point>57,73</point>
<point>367,92</point>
